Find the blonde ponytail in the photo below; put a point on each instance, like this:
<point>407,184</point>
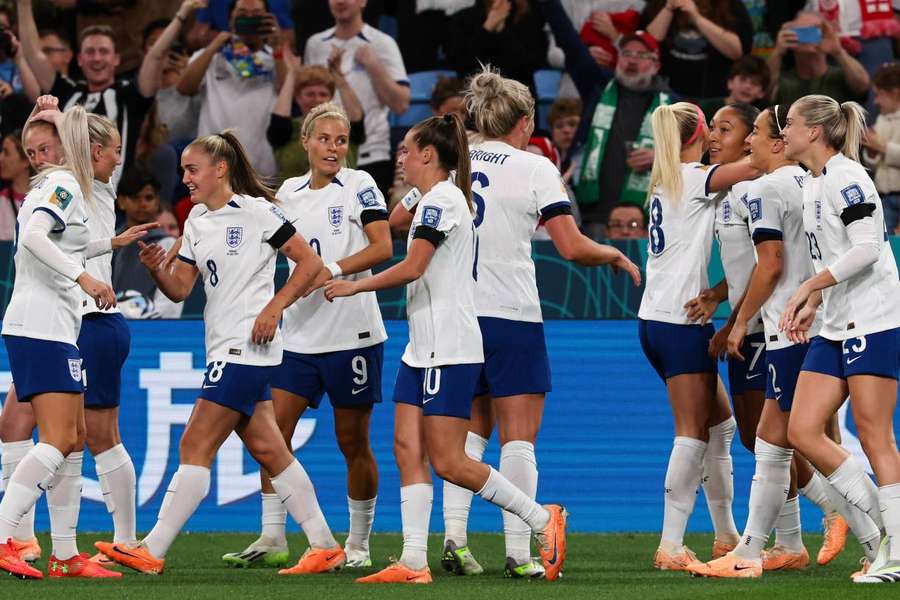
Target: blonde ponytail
<point>855,116</point>
<point>843,125</point>
<point>666,171</point>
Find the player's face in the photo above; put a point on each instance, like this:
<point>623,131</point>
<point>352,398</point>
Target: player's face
<point>202,176</point>
<point>327,146</point>
<point>411,159</point>
<point>42,146</point>
<point>98,59</point>
<point>760,143</point>
<point>312,96</point>
<point>726,137</point>
<point>796,135</point>
<point>106,158</point>
<point>12,164</point>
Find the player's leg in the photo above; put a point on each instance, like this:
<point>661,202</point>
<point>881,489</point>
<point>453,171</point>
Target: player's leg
<point>290,481</point>
<point>718,478</point>
<point>16,427</point>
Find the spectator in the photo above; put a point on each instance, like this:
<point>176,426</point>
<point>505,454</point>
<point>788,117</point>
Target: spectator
<point>617,108</point>
<point>235,79</point>
<point>312,16</point>
<point>424,31</point>
<point>564,118</point>
<point>626,222</point>
<point>16,76</point>
<point>372,64</point>
<point>58,50</point>
<point>101,92</point>
<point>15,173</point>
<point>883,142</point>
<point>136,291</point>
<point>579,12</point>
<point>215,18</point>
<point>811,73</point>
<point>179,114</point>
<point>749,82</point>
<point>448,97</point>
<point>508,34</point>
<point>604,28</point>
<point>169,223</point>
<point>308,87</point>
<point>866,28</point>
<point>700,40</point>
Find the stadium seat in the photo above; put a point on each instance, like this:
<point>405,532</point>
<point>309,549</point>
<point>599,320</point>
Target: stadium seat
<point>421,85</point>
<point>546,82</point>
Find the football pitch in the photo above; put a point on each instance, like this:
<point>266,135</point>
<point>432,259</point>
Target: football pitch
<point>599,566</point>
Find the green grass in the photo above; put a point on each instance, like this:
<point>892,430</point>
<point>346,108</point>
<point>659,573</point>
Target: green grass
<point>599,566</point>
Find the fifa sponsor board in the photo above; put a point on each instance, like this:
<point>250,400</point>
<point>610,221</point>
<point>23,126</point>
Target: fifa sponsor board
<point>602,450</point>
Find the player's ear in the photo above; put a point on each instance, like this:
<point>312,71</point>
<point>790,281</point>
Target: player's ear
<point>221,169</point>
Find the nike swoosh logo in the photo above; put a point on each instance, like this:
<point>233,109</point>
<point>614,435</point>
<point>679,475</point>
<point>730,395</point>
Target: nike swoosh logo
<point>206,387</point>
<point>333,556</point>
<point>427,400</point>
<point>778,397</point>
<point>552,560</point>
<point>412,577</point>
<point>754,376</point>
<point>850,361</point>
<point>740,568</point>
<point>125,552</point>
<point>197,242</point>
<point>362,389</point>
<point>40,487</point>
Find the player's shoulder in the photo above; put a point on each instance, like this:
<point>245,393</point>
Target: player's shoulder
<point>847,181</point>
<point>62,177</point>
<point>293,185</point>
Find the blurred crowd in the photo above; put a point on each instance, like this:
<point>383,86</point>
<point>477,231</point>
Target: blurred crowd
<point>167,71</point>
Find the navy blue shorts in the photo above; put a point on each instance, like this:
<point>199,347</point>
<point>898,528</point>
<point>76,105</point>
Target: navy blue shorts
<point>439,391</point>
<point>349,377</point>
<point>784,366</point>
<point>749,374</point>
<point>873,354</point>
<point>515,358</point>
<point>677,349</point>
<point>238,387</point>
<point>43,366</point>
<point>104,343</point>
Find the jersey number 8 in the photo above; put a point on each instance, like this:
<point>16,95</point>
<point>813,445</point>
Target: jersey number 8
<point>657,237</point>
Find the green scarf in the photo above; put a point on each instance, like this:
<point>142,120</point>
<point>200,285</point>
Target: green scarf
<point>635,189</point>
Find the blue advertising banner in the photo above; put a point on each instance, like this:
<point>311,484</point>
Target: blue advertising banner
<point>602,450</point>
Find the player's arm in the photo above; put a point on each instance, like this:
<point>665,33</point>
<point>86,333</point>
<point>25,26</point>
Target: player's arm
<point>763,280</point>
<point>411,268</point>
<point>725,176</point>
<point>402,216</point>
<point>176,281</point>
<point>574,246</point>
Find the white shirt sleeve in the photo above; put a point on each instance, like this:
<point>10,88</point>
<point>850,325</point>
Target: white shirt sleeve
<point>438,212</point>
<point>59,202</point>
<point>547,188</point>
<point>186,252</point>
<point>35,240</point>
<point>368,196</point>
<point>271,221</point>
<point>766,209</point>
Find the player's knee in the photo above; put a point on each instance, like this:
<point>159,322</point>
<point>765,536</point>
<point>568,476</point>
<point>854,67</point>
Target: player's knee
<point>447,467</point>
<point>353,447</point>
<point>799,436</point>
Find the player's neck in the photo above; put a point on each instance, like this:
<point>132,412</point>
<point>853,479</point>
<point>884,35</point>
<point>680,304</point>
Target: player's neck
<point>344,30</point>
<point>777,161</point>
<point>817,157</point>
<point>429,180</point>
<point>319,180</point>
<point>219,198</point>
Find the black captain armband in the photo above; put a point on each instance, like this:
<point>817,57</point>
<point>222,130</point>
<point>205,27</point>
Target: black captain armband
<point>857,212</point>
<point>424,232</point>
<point>555,210</point>
<point>371,216</point>
<point>766,235</point>
<point>280,237</point>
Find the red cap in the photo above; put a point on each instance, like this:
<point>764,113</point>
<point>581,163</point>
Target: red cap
<point>642,36</point>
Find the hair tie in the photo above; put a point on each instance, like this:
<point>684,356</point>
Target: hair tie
<point>777,124</point>
<point>448,118</point>
<point>701,119</point>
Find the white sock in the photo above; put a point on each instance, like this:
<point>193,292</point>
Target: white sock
<point>188,488</point>
<point>498,490</point>
<point>458,500</point>
<point>889,500</point>
<point>117,482</point>
<point>10,455</point>
<point>519,465</point>
<point>787,527</point>
<point>814,491</point>
<point>718,479</point>
<point>860,523</point>
<point>23,489</point>
<point>415,514</point>
<point>64,504</point>
<point>768,493</point>
<point>298,495</point>
<point>682,480</point>
<point>274,519</point>
<point>362,515</point>
<point>857,487</point>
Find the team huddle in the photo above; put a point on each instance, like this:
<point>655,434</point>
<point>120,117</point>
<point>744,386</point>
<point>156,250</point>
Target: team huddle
<point>811,281</point>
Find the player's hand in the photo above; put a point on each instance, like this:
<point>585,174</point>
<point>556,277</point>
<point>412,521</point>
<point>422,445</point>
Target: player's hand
<point>702,308</point>
<point>47,102</point>
<point>799,334</point>
<point>788,319</point>
<point>323,277</point>
<point>151,255</point>
<point>103,295</point>
<point>132,234</point>
<point>266,325</point>
<point>736,340</point>
<point>718,345</point>
<point>339,288</point>
<point>171,255</point>
<point>222,38</point>
<point>623,263</point>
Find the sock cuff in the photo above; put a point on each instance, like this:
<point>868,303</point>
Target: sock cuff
<point>475,446</point>
<point>689,442</point>
<point>72,466</point>
<point>846,470</point>
<point>791,503</point>
<point>112,459</point>
<point>407,490</point>
<point>362,505</point>
<point>202,474</point>
<point>724,429</point>
<point>765,451</point>
<point>266,496</point>
<point>15,451</point>
<point>891,491</point>
<point>293,466</point>
<point>48,456</point>
<point>518,449</point>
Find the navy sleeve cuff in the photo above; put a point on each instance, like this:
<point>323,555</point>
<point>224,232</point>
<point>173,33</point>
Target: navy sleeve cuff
<point>60,225</point>
<point>857,212</point>
<point>280,237</point>
<point>709,175</point>
<point>424,232</point>
<point>186,259</point>
<point>767,235</point>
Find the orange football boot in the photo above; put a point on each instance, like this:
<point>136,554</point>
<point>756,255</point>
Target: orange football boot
<point>79,565</point>
<point>551,542</point>
<point>398,573</point>
<point>317,560</point>
<point>12,564</point>
<point>779,558</point>
<point>664,561</point>
<point>135,557</point>
<point>729,566</point>
<point>29,550</point>
<point>836,529</point>
<point>720,549</point>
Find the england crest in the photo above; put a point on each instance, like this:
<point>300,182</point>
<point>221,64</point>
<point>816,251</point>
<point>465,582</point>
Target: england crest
<point>234,236</point>
<point>75,368</point>
<point>336,216</point>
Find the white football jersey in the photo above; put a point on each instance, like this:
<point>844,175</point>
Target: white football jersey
<point>775,203</point>
<point>231,248</point>
<point>736,247</point>
<point>44,304</point>
<point>511,189</point>
<point>331,220</point>
<point>440,305</point>
<point>101,211</point>
<point>679,247</point>
<point>867,302</point>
